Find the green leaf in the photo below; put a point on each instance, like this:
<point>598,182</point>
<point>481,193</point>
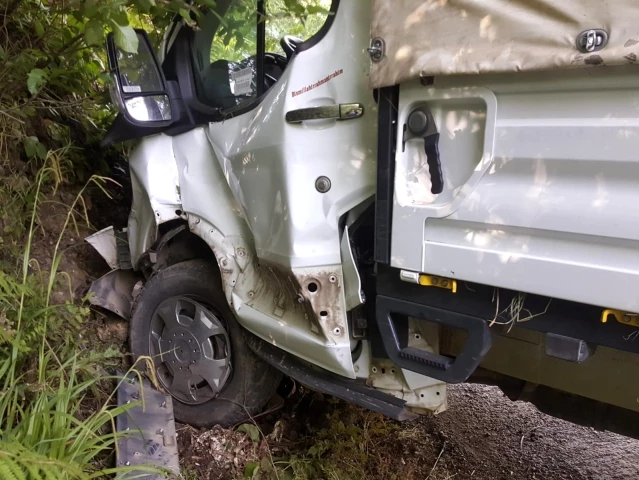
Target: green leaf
<point>251,430</point>
<point>29,146</point>
<point>251,470</point>
<point>39,29</point>
<point>37,78</point>
<point>41,151</point>
<point>144,6</point>
<point>33,147</point>
<point>314,9</point>
<point>119,15</point>
<point>125,38</point>
<point>90,8</point>
<point>186,14</point>
<point>94,32</point>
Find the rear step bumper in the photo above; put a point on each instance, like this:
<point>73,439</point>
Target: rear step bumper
<point>325,382</point>
<point>392,322</point>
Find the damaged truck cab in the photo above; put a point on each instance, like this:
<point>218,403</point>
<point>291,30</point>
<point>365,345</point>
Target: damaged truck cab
<point>411,196</point>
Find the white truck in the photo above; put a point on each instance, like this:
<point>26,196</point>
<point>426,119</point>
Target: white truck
<point>423,192</point>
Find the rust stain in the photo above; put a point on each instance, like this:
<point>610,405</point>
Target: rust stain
<point>594,60</point>
<point>316,297</point>
<point>322,292</point>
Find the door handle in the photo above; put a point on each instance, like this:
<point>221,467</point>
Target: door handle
<point>344,111</point>
<point>421,124</point>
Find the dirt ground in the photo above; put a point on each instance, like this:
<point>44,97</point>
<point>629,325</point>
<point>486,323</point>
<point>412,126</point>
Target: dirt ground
<point>489,436</point>
<point>483,435</point>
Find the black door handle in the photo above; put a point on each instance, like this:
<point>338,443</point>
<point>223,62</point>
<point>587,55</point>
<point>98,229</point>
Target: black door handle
<point>431,147</point>
<point>421,124</point>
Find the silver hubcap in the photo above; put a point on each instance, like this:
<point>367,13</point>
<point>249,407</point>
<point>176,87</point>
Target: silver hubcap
<point>191,349</point>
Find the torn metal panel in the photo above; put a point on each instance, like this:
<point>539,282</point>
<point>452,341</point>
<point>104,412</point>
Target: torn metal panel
<point>114,292</point>
<point>156,192</point>
<point>436,37</point>
<point>104,242</point>
<point>147,431</point>
<point>301,310</point>
<point>352,282</point>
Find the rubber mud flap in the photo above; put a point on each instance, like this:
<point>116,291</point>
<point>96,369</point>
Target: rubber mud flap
<point>440,367</point>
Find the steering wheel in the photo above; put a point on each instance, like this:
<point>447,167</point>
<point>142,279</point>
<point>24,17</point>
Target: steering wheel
<point>289,44</point>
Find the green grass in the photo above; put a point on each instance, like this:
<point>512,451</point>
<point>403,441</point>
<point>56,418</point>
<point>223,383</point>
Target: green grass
<point>57,411</point>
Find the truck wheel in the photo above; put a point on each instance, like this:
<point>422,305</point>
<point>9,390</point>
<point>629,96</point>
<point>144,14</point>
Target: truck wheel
<point>182,320</point>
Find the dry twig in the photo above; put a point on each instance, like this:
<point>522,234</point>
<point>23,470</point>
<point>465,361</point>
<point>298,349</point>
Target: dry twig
<point>436,461</point>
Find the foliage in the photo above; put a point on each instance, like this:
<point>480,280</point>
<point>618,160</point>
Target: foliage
<point>301,20</point>
<point>56,412</point>
<point>236,38</point>
<point>47,379</point>
<point>338,451</point>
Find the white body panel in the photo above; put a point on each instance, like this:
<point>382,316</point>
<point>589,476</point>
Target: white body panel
<point>247,187</point>
<point>540,176</point>
<point>272,165</point>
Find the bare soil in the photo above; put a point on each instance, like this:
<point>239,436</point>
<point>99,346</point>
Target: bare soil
<point>483,435</point>
<point>493,437</point>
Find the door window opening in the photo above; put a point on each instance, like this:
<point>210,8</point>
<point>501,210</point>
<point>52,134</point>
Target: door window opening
<point>238,54</point>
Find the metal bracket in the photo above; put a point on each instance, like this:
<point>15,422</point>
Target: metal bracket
<point>114,292</point>
<point>377,50</point>
<point>621,317</point>
<point>428,280</point>
<point>440,282</point>
<point>592,40</point>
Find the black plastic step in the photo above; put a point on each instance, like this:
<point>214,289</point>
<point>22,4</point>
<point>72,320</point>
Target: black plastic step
<point>391,320</point>
<point>417,355</point>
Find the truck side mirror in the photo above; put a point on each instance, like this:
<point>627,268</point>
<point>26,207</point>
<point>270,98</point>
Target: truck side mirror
<point>138,88</point>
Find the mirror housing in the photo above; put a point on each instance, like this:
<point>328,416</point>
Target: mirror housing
<point>138,88</point>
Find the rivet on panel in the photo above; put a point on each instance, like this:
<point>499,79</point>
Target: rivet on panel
<point>323,184</point>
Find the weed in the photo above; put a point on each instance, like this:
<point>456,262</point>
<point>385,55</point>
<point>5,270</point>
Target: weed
<point>46,377</point>
<point>345,449</point>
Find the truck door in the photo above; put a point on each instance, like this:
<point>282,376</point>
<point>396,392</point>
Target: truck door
<point>297,144</point>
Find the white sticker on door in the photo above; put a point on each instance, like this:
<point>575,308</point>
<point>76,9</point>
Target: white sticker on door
<point>242,81</point>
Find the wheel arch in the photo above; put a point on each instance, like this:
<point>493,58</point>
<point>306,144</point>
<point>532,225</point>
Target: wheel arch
<point>175,243</point>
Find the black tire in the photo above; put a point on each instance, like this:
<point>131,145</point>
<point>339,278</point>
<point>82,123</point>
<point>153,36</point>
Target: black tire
<point>252,382</point>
